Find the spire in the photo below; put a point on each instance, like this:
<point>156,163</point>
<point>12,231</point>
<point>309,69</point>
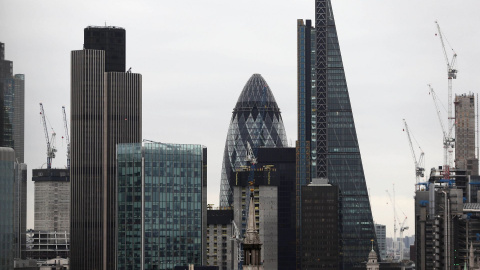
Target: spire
<point>251,243</point>
<point>251,235</point>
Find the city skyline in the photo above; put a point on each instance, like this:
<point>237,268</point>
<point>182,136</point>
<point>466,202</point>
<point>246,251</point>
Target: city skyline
<point>190,87</point>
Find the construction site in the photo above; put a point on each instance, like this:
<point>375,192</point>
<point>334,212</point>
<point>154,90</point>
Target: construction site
<point>447,202</point>
<point>51,236</point>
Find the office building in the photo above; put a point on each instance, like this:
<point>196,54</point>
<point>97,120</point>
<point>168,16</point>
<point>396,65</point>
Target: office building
<point>274,190</point>
<point>51,236</point>
<point>446,222</point>
<point>334,151</point>
<point>111,40</point>
<point>465,158</point>
<point>320,230</point>
<point>381,232</point>
<point>162,214</point>
<point>12,119</point>
<point>47,245</point>
<point>106,109</point>
<point>52,200</point>
<point>256,119</point>
<point>306,106</point>
<point>220,247</point>
<point>20,209</point>
<point>7,174</point>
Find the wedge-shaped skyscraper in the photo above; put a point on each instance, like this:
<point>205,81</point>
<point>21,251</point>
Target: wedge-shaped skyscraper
<point>331,150</point>
<point>256,119</point>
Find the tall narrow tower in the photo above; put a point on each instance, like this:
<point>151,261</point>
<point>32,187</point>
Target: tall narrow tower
<point>251,243</point>
<point>465,134</point>
<point>106,109</point>
<point>334,150</point>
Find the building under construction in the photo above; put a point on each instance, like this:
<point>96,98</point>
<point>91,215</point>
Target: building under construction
<point>465,158</point>
<point>447,221</point>
<point>51,237</point>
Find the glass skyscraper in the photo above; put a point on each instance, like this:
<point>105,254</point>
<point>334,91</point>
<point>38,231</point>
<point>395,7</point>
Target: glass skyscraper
<point>161,204</point>
<point>7,163</point>
<point>256,119</point>
<point>333,149</point>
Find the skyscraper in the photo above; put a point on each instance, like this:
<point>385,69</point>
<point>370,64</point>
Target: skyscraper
<point>162,210</point>
<point>334,151</point>
<point>381,232</point>
<point>256,119</point>
<point>7,160</point>
<point>274,189</point>
<point>12,115</point>
<point>465,134</point>
<point>106,109</point>
<point>12,119</point>
<point>111,40</point>
<point>320,226</point>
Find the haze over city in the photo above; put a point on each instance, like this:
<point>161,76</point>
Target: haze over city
<point>196,56</point>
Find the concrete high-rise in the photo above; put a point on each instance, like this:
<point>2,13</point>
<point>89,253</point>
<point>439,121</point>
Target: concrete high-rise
<point>106,109</point>
<point>333,152</point>
<point>162,205</point>
<point>52,200</point>
<point>465,158</point>
<point>274,190</point>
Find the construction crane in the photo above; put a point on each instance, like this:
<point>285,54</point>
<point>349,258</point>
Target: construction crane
<point>67,138</point>
<point>420,162</point>
<point>448,140</point>
<point>237,237</point>
<point>402,229</point>
<point>397,249</point>
<point>452,74</point>
<point>50,143</point>
<point>394,221</point>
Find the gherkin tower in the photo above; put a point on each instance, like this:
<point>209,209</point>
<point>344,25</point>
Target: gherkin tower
<point>327,144</point>
<point>256,119</point>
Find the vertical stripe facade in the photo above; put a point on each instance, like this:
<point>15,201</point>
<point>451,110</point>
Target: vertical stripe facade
<point>105,110</point>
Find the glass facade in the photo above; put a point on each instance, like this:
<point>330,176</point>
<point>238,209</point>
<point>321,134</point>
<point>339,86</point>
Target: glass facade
<point>161,189</point>
<point>345,167</point>
<point>7,179</point>
<point>335,153</point>
<point>257,120</point>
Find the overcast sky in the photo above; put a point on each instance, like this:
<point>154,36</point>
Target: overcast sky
<point>196,56</point>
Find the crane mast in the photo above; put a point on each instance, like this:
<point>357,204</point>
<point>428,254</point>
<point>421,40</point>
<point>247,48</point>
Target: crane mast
<point>397,244</point>
<point>50,143</point>
<point>419,164</point>
<point>451,74</point>
<point>448,140</point>
<point>67,138</point>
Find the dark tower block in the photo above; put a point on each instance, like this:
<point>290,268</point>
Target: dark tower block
<point>106,109</point>
<point>110,39</point>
